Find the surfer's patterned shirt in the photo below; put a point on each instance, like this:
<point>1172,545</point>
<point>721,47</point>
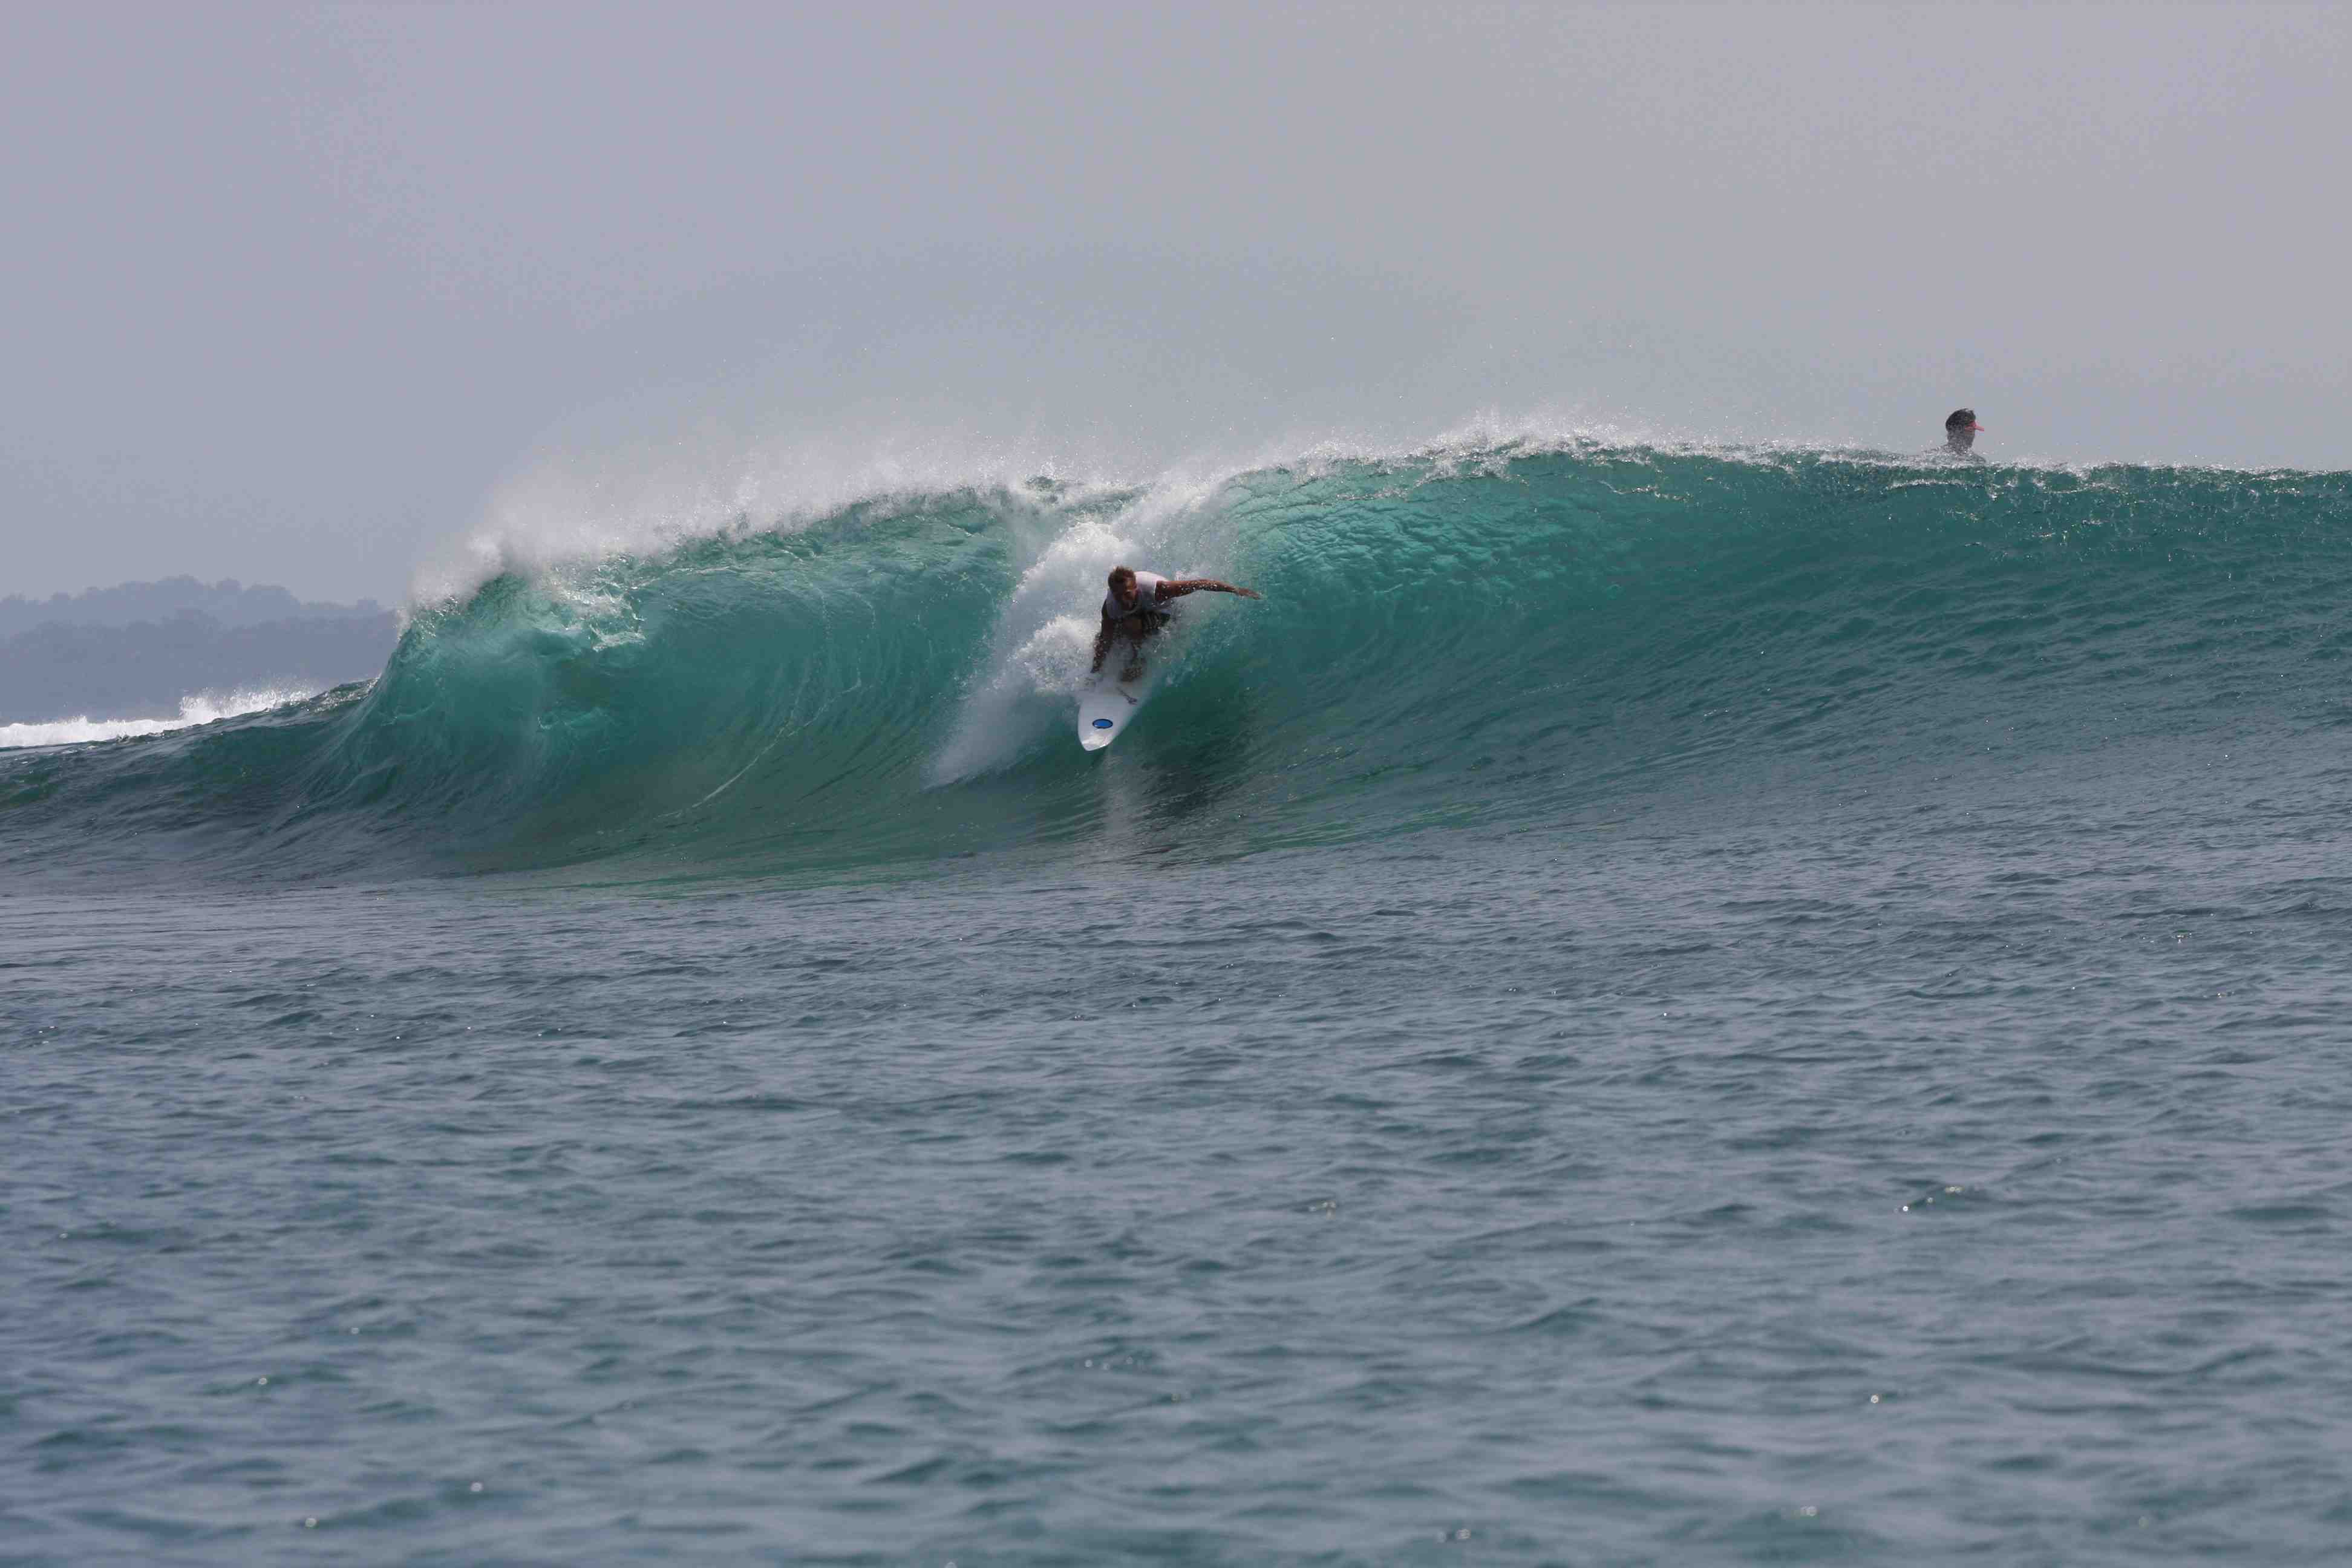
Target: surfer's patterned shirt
<point>1147,599</point>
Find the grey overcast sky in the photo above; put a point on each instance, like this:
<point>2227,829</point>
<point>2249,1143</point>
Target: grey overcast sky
<point>300,297</point>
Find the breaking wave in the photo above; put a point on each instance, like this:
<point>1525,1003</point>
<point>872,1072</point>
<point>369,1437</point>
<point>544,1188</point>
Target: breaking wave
<point>1506,633</point>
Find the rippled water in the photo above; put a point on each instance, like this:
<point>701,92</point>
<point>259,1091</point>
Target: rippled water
<point>1951,1169</point>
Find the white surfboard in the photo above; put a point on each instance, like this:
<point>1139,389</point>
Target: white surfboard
<point>1106,704</point>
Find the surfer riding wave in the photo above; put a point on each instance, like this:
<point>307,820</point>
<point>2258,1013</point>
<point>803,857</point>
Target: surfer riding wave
<point>1134,610</point>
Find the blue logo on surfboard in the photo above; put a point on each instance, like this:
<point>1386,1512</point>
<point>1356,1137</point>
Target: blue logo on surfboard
<point>1102,723</point>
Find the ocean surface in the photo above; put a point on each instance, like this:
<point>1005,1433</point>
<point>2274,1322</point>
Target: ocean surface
<point>1644,1005</point>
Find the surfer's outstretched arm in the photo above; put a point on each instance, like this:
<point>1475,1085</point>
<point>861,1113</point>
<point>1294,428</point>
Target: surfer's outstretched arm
<point>1178,589</point>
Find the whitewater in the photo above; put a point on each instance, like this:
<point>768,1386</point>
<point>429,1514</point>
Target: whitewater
<point>1650,1003</point>
<point>196,708</point>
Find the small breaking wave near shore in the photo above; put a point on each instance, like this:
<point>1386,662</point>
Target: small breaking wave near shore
<point>196,708</point>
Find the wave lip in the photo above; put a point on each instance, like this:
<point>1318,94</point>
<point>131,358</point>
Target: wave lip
<point>196,707</point>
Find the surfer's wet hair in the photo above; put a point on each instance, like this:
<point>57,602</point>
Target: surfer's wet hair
<point>1961,419</point>
<point>1121,574</point>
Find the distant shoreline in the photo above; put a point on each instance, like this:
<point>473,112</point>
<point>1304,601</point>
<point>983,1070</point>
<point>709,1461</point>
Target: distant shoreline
<point>228,602</point>
<point>140,650</point>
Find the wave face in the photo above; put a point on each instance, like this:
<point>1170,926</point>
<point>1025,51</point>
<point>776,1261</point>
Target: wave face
<point>1503,635</point>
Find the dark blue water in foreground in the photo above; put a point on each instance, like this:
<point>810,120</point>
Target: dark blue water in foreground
<point>1728,1010</point>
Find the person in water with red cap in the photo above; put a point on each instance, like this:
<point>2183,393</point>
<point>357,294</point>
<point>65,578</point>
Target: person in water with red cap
<point>1960,434</point>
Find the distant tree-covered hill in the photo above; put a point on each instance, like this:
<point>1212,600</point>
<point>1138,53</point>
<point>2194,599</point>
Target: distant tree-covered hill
<point>86,662</point>
<point>228,602</point>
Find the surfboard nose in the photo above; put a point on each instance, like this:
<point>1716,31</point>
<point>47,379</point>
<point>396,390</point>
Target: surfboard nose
<point>1104,708</point>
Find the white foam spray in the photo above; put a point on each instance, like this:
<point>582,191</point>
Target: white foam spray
<point>196,708</point>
